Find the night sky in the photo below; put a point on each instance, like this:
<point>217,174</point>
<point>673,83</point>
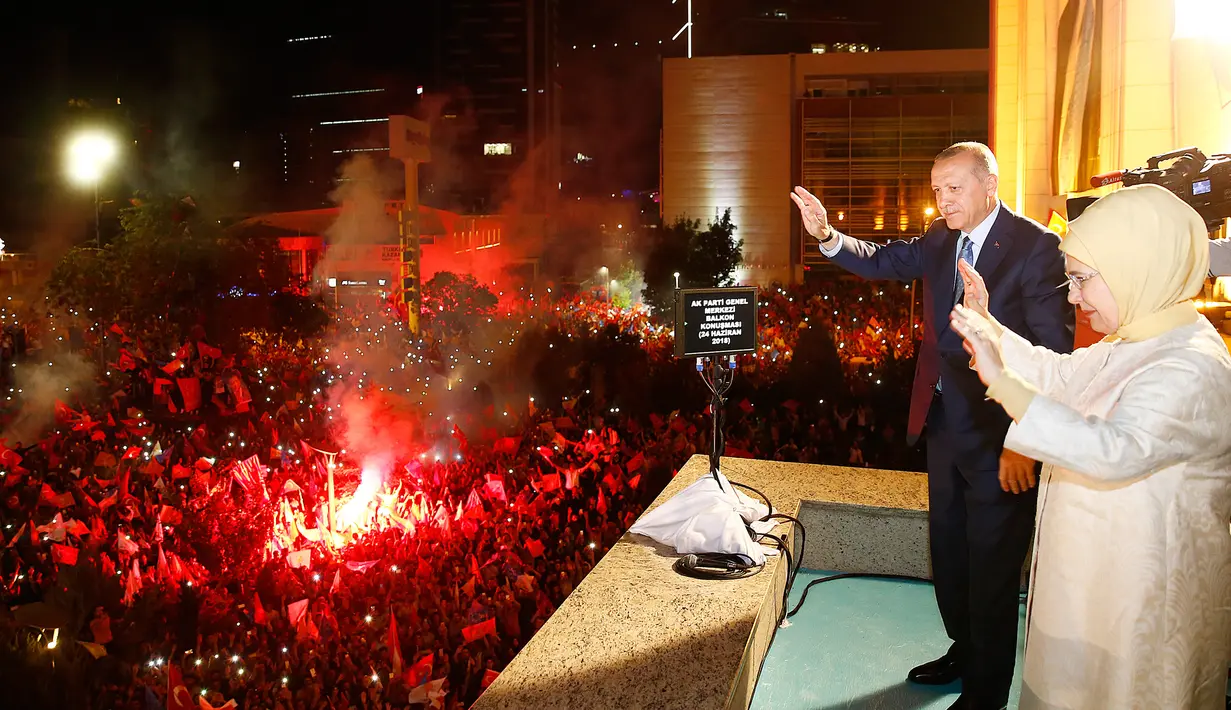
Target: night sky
<point>196,89</point>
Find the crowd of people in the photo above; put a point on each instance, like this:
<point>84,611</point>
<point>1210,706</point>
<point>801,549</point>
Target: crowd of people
<point>173,526</point>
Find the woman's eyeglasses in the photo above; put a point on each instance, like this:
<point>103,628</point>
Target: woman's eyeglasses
<point>1076,280</point>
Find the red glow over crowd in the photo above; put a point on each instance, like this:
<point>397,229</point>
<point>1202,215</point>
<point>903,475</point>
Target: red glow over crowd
<point>169,538</point>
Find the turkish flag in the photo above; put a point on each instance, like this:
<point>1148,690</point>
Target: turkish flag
<point>64,555</point>
<point>178,697</point>
<point>477,631</point>
<point>489,677</point>
<point>421,672</point>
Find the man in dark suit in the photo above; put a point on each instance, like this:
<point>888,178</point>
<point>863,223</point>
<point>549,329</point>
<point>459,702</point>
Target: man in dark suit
<point>981,497</point>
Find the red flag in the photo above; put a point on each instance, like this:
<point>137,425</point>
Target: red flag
<point>190,388</point>
<point>126,363</point>
<point>8,457</point>
<point>170,515</point>
<point>550,482</point>
<point>173,366</point>
<point>131,452</point>
<point>421,672</point>
<point>209,351</point>
<point>395,646</point>
<point>258,611</point>
<point>489,677</point>
<point>461,438</point>
<point>56,500</point>
<point>636,462</point>
<point>612,483</point>
<point>178,697</point>
<point>507,445</point>
<point>602,502</point>
<point>495,490</point>
<point>632,482</point>
<point>64,414</point>
<point>477,631</point>
<point>63,554</point>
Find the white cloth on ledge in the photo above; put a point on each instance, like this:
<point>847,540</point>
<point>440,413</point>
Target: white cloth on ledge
<point>708,516</point>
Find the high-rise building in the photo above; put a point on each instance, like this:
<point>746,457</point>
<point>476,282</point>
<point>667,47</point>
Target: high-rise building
<point>482,73</point>
<point>336,84</point>
<point>497,129</point>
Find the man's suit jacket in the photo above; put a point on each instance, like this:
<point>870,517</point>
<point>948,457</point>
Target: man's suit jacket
<point>1022,265</point>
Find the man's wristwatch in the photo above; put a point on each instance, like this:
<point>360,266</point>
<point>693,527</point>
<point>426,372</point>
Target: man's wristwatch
<point>831,236</point>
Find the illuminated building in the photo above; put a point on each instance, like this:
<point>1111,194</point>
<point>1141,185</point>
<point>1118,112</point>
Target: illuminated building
<point>1082,88</point>
<point>859,129</point>
<point>368,263</point>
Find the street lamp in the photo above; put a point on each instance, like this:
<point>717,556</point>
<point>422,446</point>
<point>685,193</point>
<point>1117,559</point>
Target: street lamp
<point>89,155</point>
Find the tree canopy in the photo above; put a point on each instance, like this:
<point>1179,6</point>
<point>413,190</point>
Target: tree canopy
<point>454,304</point>
<point>704,259</point>
<point>175,260</point>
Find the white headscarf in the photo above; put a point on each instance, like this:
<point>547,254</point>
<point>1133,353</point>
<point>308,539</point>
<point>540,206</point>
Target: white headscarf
<point>1153,251</point>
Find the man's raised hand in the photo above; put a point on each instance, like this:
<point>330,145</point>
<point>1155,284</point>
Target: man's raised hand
<point>816,219</point>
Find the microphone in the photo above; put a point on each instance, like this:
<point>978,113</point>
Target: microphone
<point>1104,179</point>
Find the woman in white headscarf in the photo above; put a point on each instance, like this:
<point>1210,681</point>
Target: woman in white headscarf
<point>1130,599</point>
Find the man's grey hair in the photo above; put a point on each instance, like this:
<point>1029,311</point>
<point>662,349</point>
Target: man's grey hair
<point>985,160</point>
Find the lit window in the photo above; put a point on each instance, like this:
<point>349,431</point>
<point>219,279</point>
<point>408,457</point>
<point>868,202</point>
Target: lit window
<point>354,120</point>
<point>820,48</point>
<point>582,158</point>
<point>497,149</point>
<point>336,93</point>
<point>358,150</point>
<point>309,39</point>
<point>333,282</point>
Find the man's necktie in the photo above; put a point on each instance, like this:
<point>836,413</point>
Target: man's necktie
<point>966,252</point>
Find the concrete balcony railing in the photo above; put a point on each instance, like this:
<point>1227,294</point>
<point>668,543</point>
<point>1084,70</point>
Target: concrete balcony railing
<point>634,634</point>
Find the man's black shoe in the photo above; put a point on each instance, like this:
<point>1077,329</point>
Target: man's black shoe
<point>942,671</point>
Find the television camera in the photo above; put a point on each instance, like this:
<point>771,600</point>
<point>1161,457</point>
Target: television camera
<point>1204,183</point>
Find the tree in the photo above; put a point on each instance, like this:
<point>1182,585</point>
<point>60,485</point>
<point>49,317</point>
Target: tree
<point>627,285</point>
<point>173,260</point>
<point>454,304</point>
<point>704,259</point>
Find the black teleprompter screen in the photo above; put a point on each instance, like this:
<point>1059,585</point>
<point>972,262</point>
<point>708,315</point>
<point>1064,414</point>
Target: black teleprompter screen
<point>715,321</point>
